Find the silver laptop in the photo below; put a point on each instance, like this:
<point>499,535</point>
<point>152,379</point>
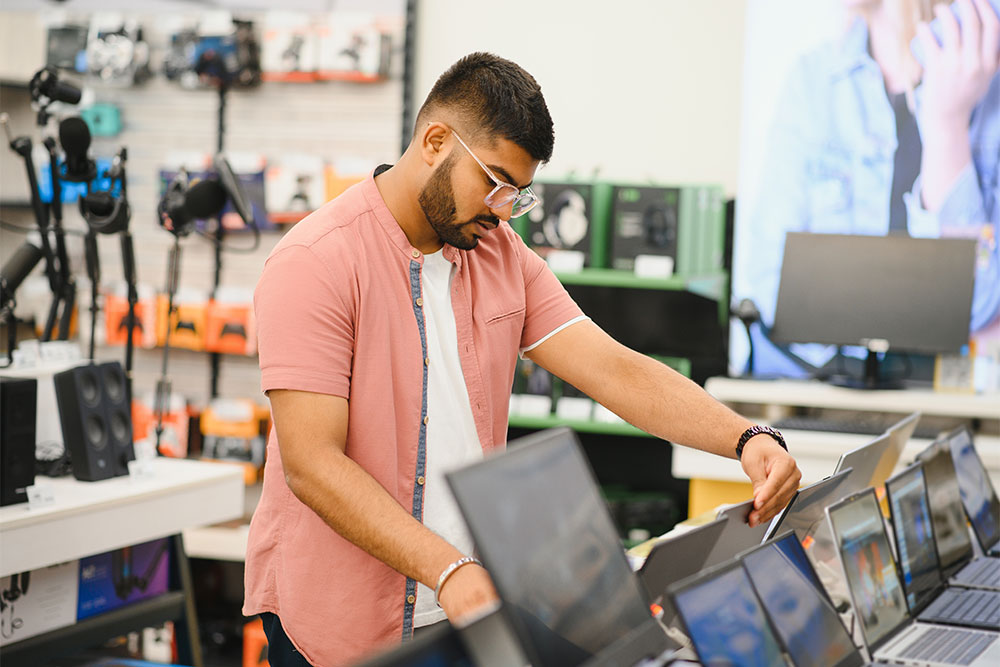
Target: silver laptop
<point>927,593</point>
<point>978,495</point>
<point>676,558</point>
<point>737,535</point>
<point>877,597</point>
<point>951,532</point>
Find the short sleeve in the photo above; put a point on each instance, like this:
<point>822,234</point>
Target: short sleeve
<point>305,330</point>
<point>548,306</point>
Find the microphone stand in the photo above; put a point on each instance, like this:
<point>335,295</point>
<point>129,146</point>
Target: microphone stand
<point>216,358</point>
<point>128,268</point>
<point>67,282</point>
<point>163,386</point>
<point>22,146</point>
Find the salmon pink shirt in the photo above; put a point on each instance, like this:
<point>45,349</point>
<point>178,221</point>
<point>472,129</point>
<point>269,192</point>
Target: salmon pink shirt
<point>339,311</point>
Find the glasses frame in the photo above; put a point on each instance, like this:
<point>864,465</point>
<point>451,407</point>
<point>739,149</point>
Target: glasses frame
<point>519,194</point>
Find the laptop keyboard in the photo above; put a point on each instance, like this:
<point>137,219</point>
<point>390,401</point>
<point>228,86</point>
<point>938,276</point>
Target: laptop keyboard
<point>981,572</point>
<point>947,645</point>
<point>980,608</point>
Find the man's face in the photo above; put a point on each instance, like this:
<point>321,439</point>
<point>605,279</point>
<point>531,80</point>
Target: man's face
<point>452,198</point>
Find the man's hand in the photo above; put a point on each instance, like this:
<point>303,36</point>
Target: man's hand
<point>774,476</point>
<point>467,593</point>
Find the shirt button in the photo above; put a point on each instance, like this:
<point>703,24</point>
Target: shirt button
<point>421,480</point>
<point>416,254</point>
<point>410,599</point>
<point>420,302</point>
<point>426,419</point>
<point>427,361</point>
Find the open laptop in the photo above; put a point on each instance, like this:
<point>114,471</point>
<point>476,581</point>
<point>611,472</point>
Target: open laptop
<point>677,558</point>
<point>803,618</point>
<point>545,536</point>
<point>978,495</point>
<point>737,535</point>
<point>889,631</point>
<point>951,533</point>
<point>872,463</point>
<point>924,582</point>
<point>807,508</point>
<point>723,618</point>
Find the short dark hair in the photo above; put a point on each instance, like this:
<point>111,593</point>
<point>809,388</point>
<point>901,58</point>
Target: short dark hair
<point>497,96</point>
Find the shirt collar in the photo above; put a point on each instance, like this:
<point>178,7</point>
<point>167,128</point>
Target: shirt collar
<point>391,226</point>
<point>852,51</point>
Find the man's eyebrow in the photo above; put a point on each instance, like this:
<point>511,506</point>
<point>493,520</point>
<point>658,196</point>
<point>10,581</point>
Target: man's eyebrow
<point>500,171</point>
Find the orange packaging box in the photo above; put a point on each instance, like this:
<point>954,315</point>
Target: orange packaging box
<point>187,326</point>
<point>116,322</point>
<point>254,644</point>
<point>230,328</point>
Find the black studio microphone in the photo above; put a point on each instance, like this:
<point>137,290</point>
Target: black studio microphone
<point>74,136</point>
<point>46,83</point>
<point>206,199</point>
<point>17,268</point>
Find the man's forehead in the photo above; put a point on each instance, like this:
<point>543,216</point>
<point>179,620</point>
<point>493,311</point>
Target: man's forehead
<point>510,162</point>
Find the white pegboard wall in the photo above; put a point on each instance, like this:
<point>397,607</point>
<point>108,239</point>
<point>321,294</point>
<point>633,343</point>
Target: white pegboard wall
<point>329,119</point>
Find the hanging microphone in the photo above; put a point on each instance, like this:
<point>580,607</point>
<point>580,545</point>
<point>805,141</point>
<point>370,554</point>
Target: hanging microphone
<point>182,205</point>
<point>206,199</point>
<point>46,83</point>
<point>16,269</point>
<point>234,189</point>
<point>74,136</point>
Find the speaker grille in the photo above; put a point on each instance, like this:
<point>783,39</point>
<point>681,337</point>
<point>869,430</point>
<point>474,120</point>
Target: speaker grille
<point>90,387</point>
<point>113,383</point>
<point>97,434</point>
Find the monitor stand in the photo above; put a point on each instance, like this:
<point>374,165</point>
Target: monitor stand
<point>872,378</point>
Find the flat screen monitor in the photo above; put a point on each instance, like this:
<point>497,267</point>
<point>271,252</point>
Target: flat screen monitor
<point>879,292</point>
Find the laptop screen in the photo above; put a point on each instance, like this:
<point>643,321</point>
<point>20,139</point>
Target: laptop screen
<point>679,557</point>
<point>545,535</point>
<point>978,495</point>
<point>867,560</point>
<point>950,530</point>
<point>725,621</point>
<point>914,532</point>
<point>806,622</point>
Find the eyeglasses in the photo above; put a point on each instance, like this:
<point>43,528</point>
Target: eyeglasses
<point>504,194</point>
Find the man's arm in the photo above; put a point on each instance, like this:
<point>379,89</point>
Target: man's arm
<point>658,400</point>
<point>312,436</point>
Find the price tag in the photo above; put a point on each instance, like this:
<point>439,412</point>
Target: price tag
<point>40,495</point>
<point>654,266</point>
<point>141,469</point>
<point>565,261</point>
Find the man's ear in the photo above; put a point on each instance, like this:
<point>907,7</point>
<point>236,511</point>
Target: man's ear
<point>432,143</point>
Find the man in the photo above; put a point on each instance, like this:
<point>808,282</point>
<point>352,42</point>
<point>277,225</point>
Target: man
<point>389,326</point>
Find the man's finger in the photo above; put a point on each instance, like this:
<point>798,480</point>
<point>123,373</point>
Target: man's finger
<point>774,504</point>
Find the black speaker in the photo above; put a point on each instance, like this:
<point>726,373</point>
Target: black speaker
<point>96,420</point>
<point>18,406</point>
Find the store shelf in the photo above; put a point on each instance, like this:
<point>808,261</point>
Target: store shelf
<point>95,630</point>
<point>580,425</point>
<point>618,278</point>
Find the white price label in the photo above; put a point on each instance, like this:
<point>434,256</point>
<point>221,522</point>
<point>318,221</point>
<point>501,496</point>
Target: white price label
<point>40,495</point>
<point>140,469</point>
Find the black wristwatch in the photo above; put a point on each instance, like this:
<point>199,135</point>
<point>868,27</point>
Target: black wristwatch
<point>757,430</point>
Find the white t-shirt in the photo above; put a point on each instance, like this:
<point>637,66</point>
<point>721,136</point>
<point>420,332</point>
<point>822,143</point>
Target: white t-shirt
<point>452,441</point>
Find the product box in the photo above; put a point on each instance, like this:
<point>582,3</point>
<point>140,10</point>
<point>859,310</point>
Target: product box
<point>294,185</point>
<point>117,578</point>
<point>38,601</point>
<point>187,326</point>
<point>568,223</point>
<point>289,49</point>
<point>116,319</point>
<point>229,323</point>
<point>352,47</point>
<point>345,172</point>
<point>649,228</point>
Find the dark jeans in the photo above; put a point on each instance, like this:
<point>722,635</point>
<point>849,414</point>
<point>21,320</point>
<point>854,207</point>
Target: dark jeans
<point>280,650</point>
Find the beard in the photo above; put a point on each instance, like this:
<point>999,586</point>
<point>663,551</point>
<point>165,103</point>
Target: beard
<point>437,201</point>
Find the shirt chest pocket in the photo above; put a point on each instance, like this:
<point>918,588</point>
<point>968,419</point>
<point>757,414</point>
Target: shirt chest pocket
<point>502,331</point>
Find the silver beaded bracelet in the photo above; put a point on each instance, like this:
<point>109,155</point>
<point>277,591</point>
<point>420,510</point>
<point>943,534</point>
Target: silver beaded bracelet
<point>450,570</point>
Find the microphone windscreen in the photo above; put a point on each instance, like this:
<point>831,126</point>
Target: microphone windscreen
<point>17,268</point>
<point>74,136</point>
<point>205,199</point>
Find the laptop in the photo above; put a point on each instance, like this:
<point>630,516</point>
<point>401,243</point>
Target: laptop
<point>677,558</point>
<point>978,495</point>
<point>804,620</point>
<point>889,631</point>
<point>871,463</point>
<point>724,619</point>
<point>545,536</point>
<point>737,536</point>
<point>951,533</point>
<point>927,594</point>
<point>806,509</point>
<point>438,646</point>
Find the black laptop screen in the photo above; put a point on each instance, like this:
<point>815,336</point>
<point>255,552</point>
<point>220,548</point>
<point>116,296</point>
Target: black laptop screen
<point>806,622</point>
<point>913,528</point>
<point>545,535</point>
<point>978,495</point>
<point>871,572</point>
<point>950,530</point>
